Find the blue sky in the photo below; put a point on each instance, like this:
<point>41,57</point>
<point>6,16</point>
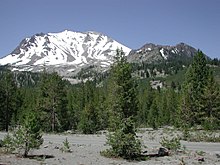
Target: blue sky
<point>131,22</point>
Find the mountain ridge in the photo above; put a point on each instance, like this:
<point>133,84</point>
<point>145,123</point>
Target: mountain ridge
<point>64,48</point>
<point>68,52</point>
<point>152,52</point>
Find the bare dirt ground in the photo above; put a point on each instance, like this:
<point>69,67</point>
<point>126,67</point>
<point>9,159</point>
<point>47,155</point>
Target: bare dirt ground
<point>86,150</point>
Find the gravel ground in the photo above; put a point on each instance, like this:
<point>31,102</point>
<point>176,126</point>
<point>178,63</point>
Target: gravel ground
<point>86,150</point>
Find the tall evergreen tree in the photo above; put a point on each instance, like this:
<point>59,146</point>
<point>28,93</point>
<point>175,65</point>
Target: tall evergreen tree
<point>30,98</point>
<point>122,91</point>
<point>153,117</point>
<point>211,104</point>
<point>74,97</point>
<point>196,82</point>
<point>164,111</point>
<point>53,102</point>
<point>173,102</point>
<point>145,97</point>
<point>123,109</point>
<point>8,99</point>
<point>89,121</point>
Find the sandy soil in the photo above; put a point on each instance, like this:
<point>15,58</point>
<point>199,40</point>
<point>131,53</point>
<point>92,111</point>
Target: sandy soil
<point>86,150</point>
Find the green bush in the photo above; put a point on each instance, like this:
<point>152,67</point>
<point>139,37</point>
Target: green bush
<point>89,123</point>
<point>66,146</point>
<point>25,137</point>
<point>7,144</point>
<point>171,144</point>
<point>186,134</point>
<point>204,136</point>
<point>123,142</point>
<point>211,123</point>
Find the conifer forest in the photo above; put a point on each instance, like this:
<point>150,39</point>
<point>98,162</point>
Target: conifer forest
<point>103,102</point>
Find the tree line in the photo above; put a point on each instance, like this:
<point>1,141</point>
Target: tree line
<point>93,105</point>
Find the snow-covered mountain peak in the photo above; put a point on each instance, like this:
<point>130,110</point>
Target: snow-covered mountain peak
<point>67,49</point>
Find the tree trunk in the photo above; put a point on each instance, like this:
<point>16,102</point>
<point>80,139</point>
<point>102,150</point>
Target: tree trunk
<point>7,113</point>
<point>53,116</point>
<point>53,121</point>
<point>26,150</point>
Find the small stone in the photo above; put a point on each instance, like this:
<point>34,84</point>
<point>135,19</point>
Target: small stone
<point>163,152</point>
<point>69,131</point>
<point>56,147</point>
<point>144,152</point>
<point>201,159</point>
<point>217,155</point>
<point>46,146</point>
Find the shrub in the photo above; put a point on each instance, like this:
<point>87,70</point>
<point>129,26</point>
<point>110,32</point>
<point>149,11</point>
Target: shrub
<point>204,136</point>
<point>186,134</point>
<point>123,142</point>
<point>211,123</point>
<point>171,144</point>
<point>66,146</point>
<point>7,144</point>
<point>26,137</point>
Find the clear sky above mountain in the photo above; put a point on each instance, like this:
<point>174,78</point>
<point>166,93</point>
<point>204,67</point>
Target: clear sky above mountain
<point>130,22</point>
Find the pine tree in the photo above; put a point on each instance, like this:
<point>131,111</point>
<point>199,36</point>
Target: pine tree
<point>30,132</point>
<point>173,102</point>
<point>163,111</point>
<point>26,137</point>
<point>18,110</point>
<point>153,117</point>
<point>122,91</point>
<point>123,141</point>
<point>145,97</point>
<point>197,79</point>
<point>123,109</point>
<point>211,104</point>
<point>89,120</point>
<point>8,99</point>
<point>53,102</point>
<point>74,97</point>
<point>29,100</point>
<point>102,108</point>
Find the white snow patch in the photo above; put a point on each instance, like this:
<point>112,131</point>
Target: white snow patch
<point>175,51</point>
<point>162,53</point>
<point>139,51</point>
<point>71,70</point>
<point>15,69</point>
<point>105,63</point>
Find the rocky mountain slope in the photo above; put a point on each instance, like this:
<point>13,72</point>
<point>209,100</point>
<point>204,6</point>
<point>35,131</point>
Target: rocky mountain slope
<point>151,52</point>
<point>71,53</point>
<point>65,52</point>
